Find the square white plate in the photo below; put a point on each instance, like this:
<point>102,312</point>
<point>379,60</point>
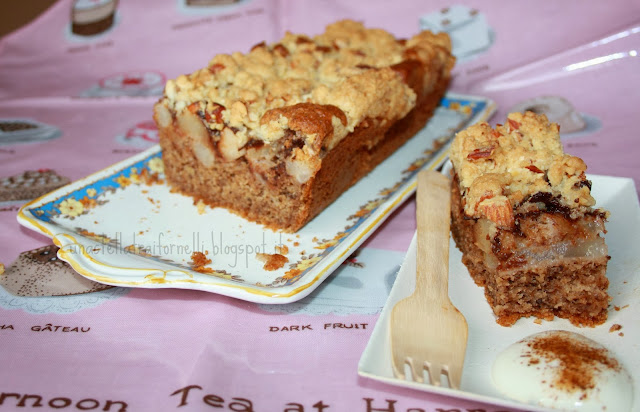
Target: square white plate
<point>487,339</point>
<point>113,228</point>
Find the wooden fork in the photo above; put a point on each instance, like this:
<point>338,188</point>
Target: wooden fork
<point>427,331</point>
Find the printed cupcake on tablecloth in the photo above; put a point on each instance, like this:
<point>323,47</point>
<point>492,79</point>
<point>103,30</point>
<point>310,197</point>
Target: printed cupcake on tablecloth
<point>134,83</point>
<point>560,110</point>
<point>92,17</point>
<point>29,185</point>
<point>39,282</point>
<point>207,6</point>
<point>142,135</point>
<point>23,130</point>
<point>468,29</point>
<point>39,272</point>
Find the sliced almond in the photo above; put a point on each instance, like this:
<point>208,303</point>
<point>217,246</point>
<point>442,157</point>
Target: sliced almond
<point>499,210</point>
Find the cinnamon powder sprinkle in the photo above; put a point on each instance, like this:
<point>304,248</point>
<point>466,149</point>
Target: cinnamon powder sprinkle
<point>578,361</point>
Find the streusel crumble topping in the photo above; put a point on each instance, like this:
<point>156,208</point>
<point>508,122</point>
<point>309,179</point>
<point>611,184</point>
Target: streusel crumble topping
<point>348,66</point>
<point>500,169</point>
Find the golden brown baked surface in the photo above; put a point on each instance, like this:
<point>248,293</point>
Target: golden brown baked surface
<point>500,168</point>
<point>349,67</point>
<point>278,133</point>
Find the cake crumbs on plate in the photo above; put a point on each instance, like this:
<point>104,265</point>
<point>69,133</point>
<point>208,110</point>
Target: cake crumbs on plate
<point>150,178</point>
<point>201,206</point>
<point>615,327</point>
<point>282,249</point>
<point>273,261</point>
<point>198,262</point>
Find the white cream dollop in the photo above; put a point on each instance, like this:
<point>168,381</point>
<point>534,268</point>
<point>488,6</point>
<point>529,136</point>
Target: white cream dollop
<point>563,370</point>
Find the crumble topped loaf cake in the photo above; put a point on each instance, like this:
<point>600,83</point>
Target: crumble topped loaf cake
<point>279,133</point>
<point>523,217</point>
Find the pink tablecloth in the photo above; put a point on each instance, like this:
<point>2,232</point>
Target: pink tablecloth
<point>140,349</point>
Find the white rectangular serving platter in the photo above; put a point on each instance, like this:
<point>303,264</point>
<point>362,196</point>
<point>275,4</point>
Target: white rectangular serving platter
<point>487,339</point>
<point>114,228</point>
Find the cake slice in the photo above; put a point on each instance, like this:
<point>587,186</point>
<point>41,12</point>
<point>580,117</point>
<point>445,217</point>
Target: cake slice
<point>524,218</point>
<point>277,134</point>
